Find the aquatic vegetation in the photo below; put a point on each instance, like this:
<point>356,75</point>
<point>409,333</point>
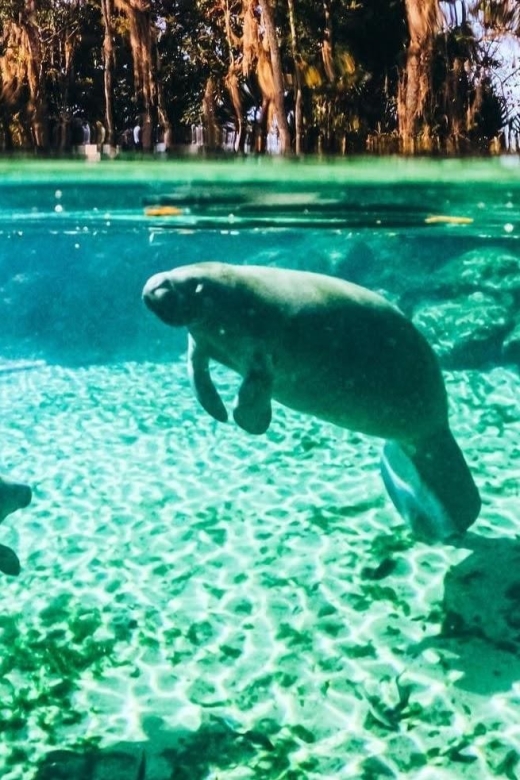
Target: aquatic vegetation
<point>379,572</point>
<point>40,670</point>
<point>383,545</point>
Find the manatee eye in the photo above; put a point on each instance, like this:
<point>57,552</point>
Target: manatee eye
<point>193,299</point>
<point>193,287</point>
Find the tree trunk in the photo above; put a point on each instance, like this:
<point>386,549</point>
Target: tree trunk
<point>232,85</point>
<point>327,47</point>
<point>298,118</point>
<point>108,69</point>
<point>138,13</point>
<point>164,130</point>
<point>208,111</point>
<point>36,79</point>
<point>276,65</point>
<point>415,130</point>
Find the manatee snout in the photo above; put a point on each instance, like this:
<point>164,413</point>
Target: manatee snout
<point>169,299</point>
<point>13,496</point>
<point>160,296</point>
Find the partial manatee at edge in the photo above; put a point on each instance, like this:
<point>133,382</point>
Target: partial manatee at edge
<point>13,496</point>
<point>334,350</point>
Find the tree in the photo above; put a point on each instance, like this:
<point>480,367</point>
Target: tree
<point>277,97</point>
<point>350,75</point>
<point>21,71</point>
<point>107,11</point>
<point>415,93</point>
<point>297,80</point>
<point>147,87</point>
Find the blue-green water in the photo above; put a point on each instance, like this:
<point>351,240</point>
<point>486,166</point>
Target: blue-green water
<point>195,602</point>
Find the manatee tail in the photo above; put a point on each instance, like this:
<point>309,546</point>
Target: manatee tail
<point>431,486</point>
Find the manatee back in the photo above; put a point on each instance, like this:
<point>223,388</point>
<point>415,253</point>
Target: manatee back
<point>338,351</point>
<point>361,367</point>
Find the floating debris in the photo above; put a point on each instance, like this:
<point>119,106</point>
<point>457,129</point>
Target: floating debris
<point>442,219</point>
<point>163,211</point>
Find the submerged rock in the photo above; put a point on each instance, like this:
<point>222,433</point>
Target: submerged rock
<point>467,332</point>
<point>511,346</point>
<point>358,265</point>
<point>471,314</point>
<point>487,269</point>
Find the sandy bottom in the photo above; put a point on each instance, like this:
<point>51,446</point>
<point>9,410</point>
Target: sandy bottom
<point>198,603</point>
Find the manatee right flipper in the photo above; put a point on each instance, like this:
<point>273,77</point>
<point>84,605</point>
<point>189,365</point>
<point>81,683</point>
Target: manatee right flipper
<point>431,486</point>
<point>13,496</point>
<point>9,563</point>
<point>252,410</point>
<point>200,378</point>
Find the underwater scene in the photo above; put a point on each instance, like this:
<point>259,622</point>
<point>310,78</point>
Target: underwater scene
<point>246,534</point>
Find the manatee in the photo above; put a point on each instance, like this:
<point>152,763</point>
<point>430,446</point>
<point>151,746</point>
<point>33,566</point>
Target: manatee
<point>332,349</point>
<point>13,496</point>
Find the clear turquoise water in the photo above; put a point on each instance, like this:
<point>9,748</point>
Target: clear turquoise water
<point>198,603</point>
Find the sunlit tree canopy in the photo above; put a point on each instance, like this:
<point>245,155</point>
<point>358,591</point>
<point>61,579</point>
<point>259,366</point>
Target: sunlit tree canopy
<point>327,76</point>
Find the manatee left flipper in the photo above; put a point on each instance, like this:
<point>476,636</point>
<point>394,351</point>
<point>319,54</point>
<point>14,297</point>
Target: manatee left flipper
<point>252,410</point>
<point>9,563</point>
<point>200,378</point>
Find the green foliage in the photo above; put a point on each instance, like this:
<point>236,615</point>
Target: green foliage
<point>348,101</point>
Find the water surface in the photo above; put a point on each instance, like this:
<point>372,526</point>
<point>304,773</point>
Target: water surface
<point>198,603</point>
